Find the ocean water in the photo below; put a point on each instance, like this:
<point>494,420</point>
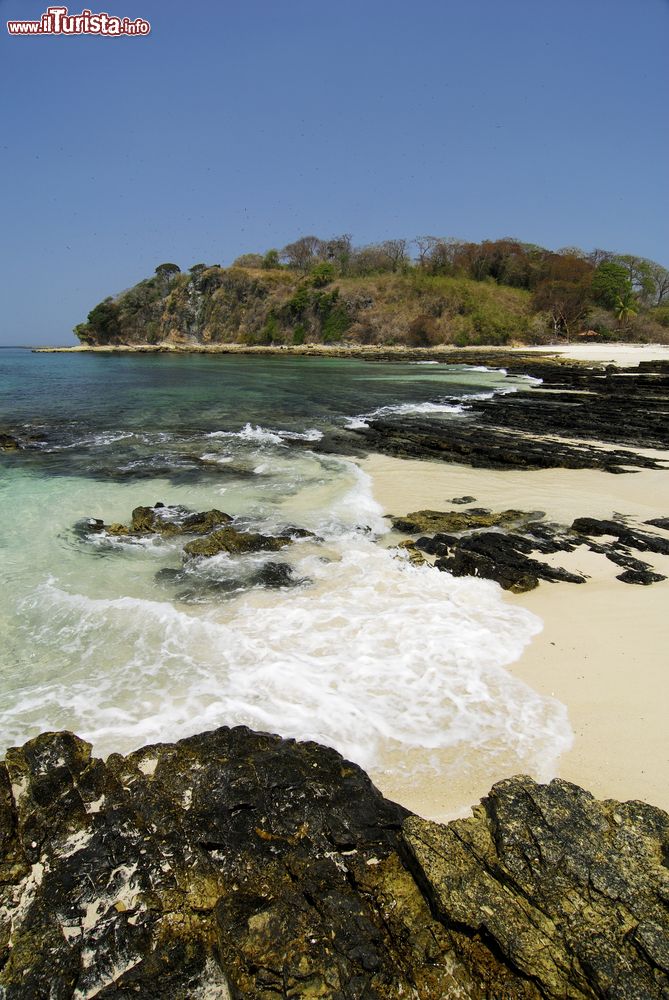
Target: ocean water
<point>401,668</point>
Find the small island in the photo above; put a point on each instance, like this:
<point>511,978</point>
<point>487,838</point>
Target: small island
<point>426,293</point>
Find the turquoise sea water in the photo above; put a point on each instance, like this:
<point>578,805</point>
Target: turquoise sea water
<point>401,668</point>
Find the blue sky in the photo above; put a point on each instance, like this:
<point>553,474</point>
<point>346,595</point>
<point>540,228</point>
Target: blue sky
<point>238,127</point>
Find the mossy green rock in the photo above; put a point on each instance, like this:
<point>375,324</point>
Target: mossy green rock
<point>238,865</point>
<point>431,521</point>
<point>163,520</point>
<point>234,542</point>
<point>568,892</point>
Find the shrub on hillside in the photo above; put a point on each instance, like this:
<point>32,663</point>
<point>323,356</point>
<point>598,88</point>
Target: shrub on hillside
<point>423,331</point>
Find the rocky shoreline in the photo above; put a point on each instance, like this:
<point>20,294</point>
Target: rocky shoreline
<point>574,417</point>
<point>238,864</point>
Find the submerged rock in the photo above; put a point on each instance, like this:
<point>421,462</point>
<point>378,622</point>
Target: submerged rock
<point>239,865</point>
<point>201,589</point>
<point>163,520</point>
<point>9,443</point>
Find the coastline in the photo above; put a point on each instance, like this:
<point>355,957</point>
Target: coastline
<point>602,650</point>
<point>619,354</point>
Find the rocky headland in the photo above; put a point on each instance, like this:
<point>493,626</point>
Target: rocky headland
<point>238,864</point>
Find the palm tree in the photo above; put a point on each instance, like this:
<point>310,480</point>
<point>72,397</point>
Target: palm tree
<point>626,307</point>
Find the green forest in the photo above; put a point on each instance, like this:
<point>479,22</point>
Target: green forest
<point>422,292</point>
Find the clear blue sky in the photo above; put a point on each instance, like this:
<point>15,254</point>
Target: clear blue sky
<point>239,126</point>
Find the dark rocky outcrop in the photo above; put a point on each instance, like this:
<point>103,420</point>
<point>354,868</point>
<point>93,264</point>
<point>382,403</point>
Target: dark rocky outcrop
<point>640,576</point>
<point>237,864</point>
<point>504,554</point>
<point>659,522</point>
<point>213,526</point>
<point>629,537</point>
<point>555,885</point>
<point>502,558</point>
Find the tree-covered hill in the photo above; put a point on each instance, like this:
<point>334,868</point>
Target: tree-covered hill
<point>427,292</point>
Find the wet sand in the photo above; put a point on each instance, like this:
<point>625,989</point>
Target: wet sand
<point>603,648</point>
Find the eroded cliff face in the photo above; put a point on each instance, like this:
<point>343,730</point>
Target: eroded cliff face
<point>237,864</point>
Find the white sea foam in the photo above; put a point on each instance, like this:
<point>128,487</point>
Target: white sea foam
<point>155,545</point>
<point>310,435</point>
<point>263,435</point>
<point>404,409</point>
<point>212,456</point>
<point>376,654</point>
<point>107,437</point>
<point>259,435</point>
<point>375,657</point>
<point>484,368</point>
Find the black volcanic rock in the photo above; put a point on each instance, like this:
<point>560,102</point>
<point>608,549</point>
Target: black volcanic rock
<point>659,522</point>
<point>629,537</point>
<point>504,554</point>
<point>239,865</point>
<point>551,425</point>
<point>640,576</point>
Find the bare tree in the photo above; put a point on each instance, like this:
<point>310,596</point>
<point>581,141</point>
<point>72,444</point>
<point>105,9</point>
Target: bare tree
<point>396,253</point>
<point>599,256</point>
<point>303,253</point>
<point>426,246</point>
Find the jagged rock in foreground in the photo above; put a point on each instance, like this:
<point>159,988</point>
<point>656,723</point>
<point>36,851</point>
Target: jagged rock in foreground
<point>237,864</point>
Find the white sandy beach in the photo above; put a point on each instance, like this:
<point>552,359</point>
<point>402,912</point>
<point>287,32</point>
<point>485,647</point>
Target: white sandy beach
<point>623,355</point>
<point>603,648</point>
